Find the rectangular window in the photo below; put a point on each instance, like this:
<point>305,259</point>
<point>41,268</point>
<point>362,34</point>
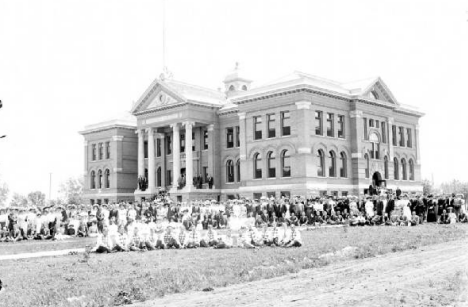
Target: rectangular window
<point>365,129</point>
<point>107,150</point>
<point>257,196</point>
<point>271,125</point>
<point>285,123</point>
<point>230,137</point>
<point>182,143</point>
<point>384,133</point>
<point>94,152</point>
<point>330,125</point>
<point>169,145</point>
<point>271,194</point>
<point>286,194</point>
<point>146,149</point>
<point>237,136</point>
<point>341,120</point>
<point>193,141</point>
<point>205,139</point>
<point>158,147</point>
<point>377,124</point>
<point>409,139</point>
<point>394,136</point>
<point>344,193</point>
<point>402,136</point>
<point>100,151</point>
<point>257,128</point>
<point>318,123</point>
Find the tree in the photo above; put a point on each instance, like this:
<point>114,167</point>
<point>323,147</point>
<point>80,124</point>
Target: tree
<point>4,191</point>
<point>37,198</point>
<point>427,187</point>
<point>72,190</point>
<point>19,200</point>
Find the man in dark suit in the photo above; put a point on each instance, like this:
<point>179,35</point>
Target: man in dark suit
<point>210,181</point>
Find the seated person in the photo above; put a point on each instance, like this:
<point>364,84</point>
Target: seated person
<point>281,220</point>
<point>403,220</point>
<point>333,219</point>
<point>93,230</point>
<point>170,239</point>
<point>452,217</point>
<point>82,229</point>
<point>266,236</point>
<point>376,220</point>
<point>360,219</point>
<point>294,237</point>
<point>394,220</point>
<point>183,237</point>
<point>246,239</point>
<point>121,243</point>
<point>303,220</point>
<point>386,220</point>
<point>136,243</point>
<point>272,220</point>
<point>103,243</point>
<point>193,238</point>
<point>444,217</point>
<point>462,218</point>
<point>276,236</point>
<point>414,219</point>
<point>210,238</point>
<point>44,234</point>
<point>225,241</point>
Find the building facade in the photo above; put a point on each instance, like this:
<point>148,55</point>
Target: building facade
<point>300,135</point>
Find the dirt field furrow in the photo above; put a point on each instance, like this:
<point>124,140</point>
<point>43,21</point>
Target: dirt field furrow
<point>429,276</point>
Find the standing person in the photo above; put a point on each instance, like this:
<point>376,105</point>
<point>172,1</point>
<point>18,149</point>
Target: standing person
<point>210,181</point>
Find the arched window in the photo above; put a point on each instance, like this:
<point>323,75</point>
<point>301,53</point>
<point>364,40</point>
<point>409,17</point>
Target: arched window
<point>386,167</point>
<point>285,164</point>
<point>257,166</point>
<point>232,88</point>
<point>238,170</point>
<point>271,164</point>
<point>320,163</point>
<point>411,169</point>
<point>158,177</point>
<point>244,87</point>
<point>403,169</point>
<point>92,182</point>
<point>332,164</point>
<point>99,179</point>
<point>107,179</point>
<point>396,173</point>
<point>343,165</point>
<point>366,157</point>
<point>229,171</point>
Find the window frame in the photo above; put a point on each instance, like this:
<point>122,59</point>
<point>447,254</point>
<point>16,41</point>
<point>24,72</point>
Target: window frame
<point>285,129</point>
<point>271,128</point>
<point>330,125</point>
<point>258,123</point>
<point>285,156</point>
<point>257,165</point>
<point>318,123</point>
<point>271,164</point>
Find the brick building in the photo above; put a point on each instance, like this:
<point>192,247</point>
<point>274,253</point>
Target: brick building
<point>299,135</point>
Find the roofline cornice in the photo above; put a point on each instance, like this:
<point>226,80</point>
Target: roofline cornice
<point>85,132</point>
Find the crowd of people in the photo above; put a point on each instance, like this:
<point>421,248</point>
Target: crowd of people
<point>248,223</point>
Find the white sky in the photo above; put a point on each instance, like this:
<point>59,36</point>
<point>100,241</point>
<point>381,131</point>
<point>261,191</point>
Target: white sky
<point>66,64</point>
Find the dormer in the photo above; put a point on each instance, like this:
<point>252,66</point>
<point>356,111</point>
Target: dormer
<point>235,83</point>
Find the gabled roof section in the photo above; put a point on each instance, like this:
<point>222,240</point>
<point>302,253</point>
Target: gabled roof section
<point>167,91</point>
<point>355,89</point>
<point>370,87</point>
<point>125,120</point>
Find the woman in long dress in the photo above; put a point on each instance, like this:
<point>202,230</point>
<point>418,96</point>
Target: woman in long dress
<point>406,207</point>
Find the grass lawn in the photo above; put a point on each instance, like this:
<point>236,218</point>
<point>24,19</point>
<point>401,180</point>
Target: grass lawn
<point>97,281</point>
<point>33,246</point>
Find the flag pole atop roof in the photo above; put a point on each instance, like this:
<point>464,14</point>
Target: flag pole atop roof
<point>165,74</point>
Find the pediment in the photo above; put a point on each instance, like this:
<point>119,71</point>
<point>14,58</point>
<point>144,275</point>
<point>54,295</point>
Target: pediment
<point>379,91</point>
<point>156,96</point>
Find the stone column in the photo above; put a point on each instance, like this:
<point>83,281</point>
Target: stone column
<point>390,139</point>
<point>211,152</point>
<point>175,154</point>
<point>357,158</point>
<point>243,149</point>
<point>416,143</point>
<point>304,158</point>
<point>151,166</point>
<point>162,140</point>
<point>86,175</point>
<point>188,155</point>
<point>141,153</point>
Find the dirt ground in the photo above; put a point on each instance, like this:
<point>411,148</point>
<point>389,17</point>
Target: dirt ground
<point>434,275</point>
